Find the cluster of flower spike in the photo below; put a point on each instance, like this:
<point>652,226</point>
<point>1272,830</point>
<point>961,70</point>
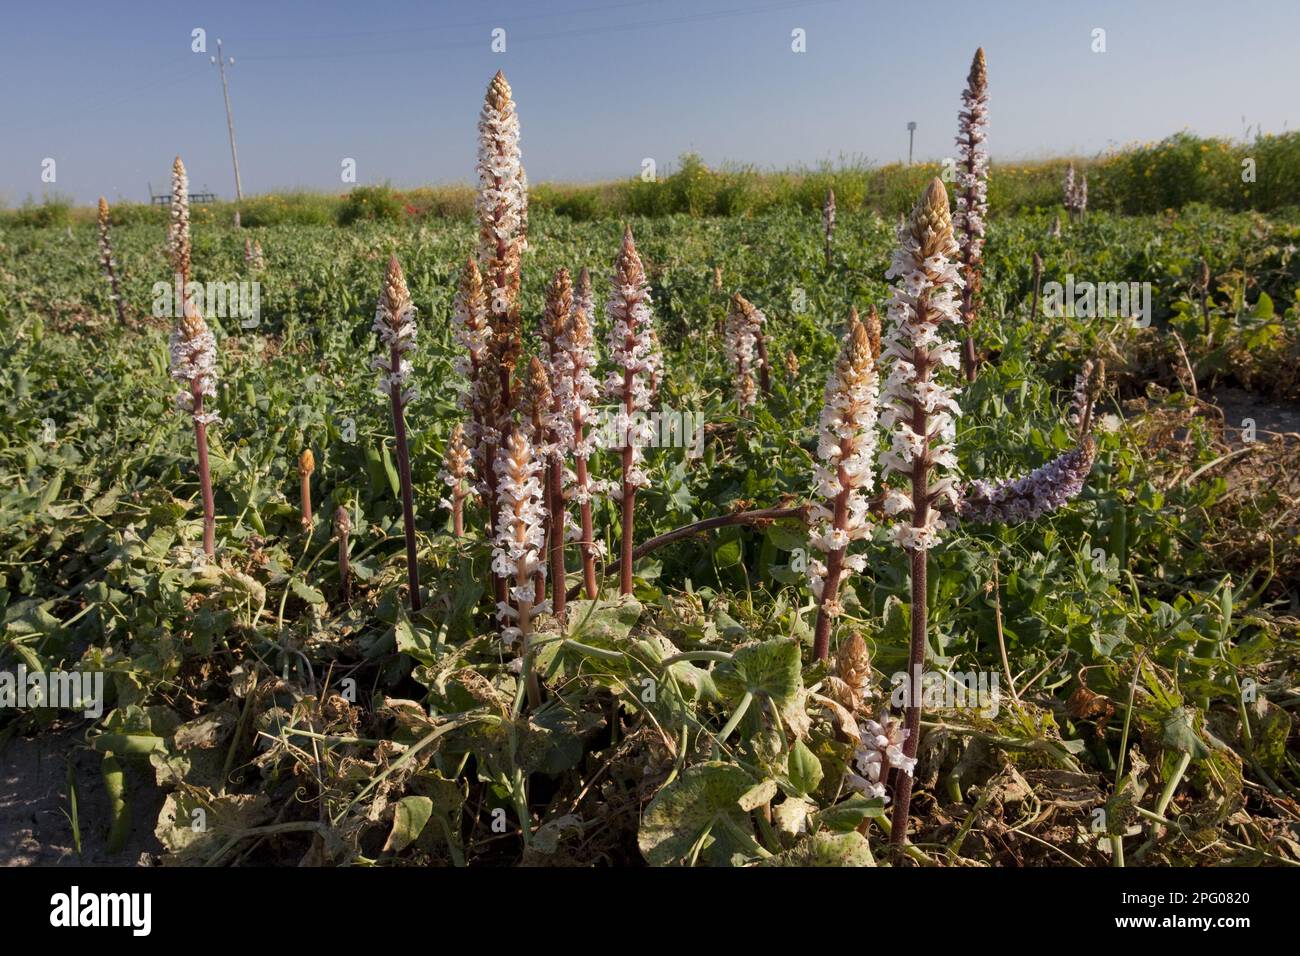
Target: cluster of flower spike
<point>518,547</point>
<point>918,390</point>
<point>744,325</point>
<point>193,350</point>
<point>253,257</point>
<point>843,471</point>
<point>634,350</point>
<point>395,323</point>
<point>880,748</point>
<point>972,175</point>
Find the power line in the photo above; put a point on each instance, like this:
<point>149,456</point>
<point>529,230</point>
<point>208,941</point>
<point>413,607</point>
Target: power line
<point>559,34</point>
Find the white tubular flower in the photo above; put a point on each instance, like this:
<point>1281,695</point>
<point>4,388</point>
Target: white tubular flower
<point>880,748</point>
<point>744,323</point>
<point>193,350</point>
<point>843,473</point>
<point>470,321</point>
<point>577,348</point>
<point>178,232</point>
<point>1069,187</point>
<point>920,407</point>
<point>518,547</point>
<point>395,323</point>
<point>633,348</point>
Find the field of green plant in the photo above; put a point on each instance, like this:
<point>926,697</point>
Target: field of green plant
<point>1144,638</point>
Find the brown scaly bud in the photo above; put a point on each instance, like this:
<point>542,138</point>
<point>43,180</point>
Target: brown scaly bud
<point>977,79</point>
<point>791,364</point>
<point>1038,264</point>
<point>537,404</point>
<point>853,667</point>
<point>559,306</point>
<point>1205,273</point>
<point>306,462</point>
<point>717,278</point>
<point>872,326</point>
<point>103,213</point>
<point>931,221</point>
<point>498,92</point>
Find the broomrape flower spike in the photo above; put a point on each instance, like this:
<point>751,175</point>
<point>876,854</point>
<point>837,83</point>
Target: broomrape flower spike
<point>502,209</point>
<point>972,199</point>
<point>633,347</point>
<point>577,354</point>
<point>1042,491</point>
<point>559,422</point>
<point>455,475</point>
<point>107,262</point>
<point>395,323</point>
<point>474,335</point>
<point>178,232</point>
<point>739,346</point>
<point>919,410</point>
<point>193,350</point>
<point>843,477</point>
<point>518,546</point>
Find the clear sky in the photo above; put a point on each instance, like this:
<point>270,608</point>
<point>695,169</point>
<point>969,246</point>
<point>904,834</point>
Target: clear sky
<point>111,91</point>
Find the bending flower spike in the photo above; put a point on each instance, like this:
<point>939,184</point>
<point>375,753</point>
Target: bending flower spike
<point>1042,491</point>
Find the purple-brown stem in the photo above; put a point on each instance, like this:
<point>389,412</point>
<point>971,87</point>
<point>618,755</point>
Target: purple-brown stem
<point>404,476</point>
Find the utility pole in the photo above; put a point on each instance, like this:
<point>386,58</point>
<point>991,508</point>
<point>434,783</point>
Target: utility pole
<point>911,132</point>
<point>230,123</point>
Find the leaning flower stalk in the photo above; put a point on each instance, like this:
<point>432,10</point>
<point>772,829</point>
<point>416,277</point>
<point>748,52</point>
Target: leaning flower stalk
<point>972,200</point>
<point>193,350</point>
<point>395,324</point>
<point>342,528</point>
<point>633,349</point>
<point>843,476</point>
<point>919,409</point>
<point>108,263</point>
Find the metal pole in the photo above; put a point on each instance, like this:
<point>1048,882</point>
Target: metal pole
<point>911,133</point>
<point>230,123</point>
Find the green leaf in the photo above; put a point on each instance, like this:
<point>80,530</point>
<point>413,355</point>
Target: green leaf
<point>805,768</point>
<point>409,818</point>
<point>306,592</point>
<point>1179,733</point>
<point>701,807</point>
<point>849,814</point>
<point>827,849</point>
<point>770,669</point>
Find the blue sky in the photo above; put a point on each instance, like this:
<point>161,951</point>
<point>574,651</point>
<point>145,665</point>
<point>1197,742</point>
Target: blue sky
<point>111,91</point>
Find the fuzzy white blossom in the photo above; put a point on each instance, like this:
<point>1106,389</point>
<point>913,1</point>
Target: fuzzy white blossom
<point>880,748</point>
<point>920,407</point>
<point>193,350</point>
<point>972,181</point>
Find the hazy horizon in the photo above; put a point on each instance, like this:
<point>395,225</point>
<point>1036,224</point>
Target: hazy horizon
<point>111,95</point>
